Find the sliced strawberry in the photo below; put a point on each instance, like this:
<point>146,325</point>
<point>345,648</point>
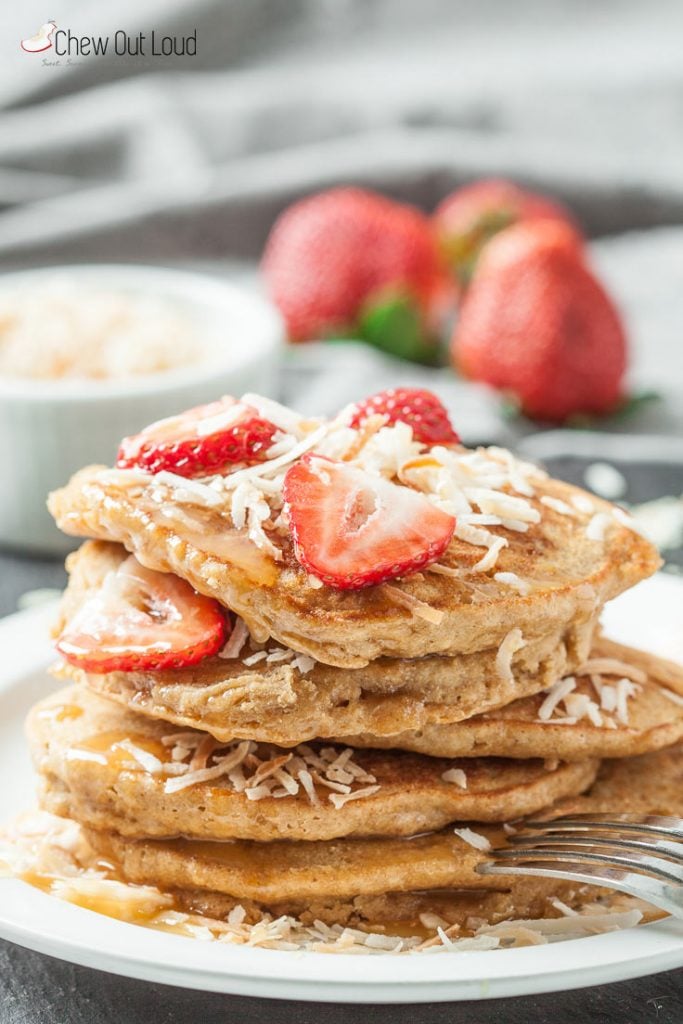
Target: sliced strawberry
<point>200,441</point>
<point>420,409</point>
<point>353,530</point>
<point>141,619</point>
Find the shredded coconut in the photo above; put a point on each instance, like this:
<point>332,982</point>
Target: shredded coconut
<point>236,640</point>
<point>612,667</point>
<point>675,698</point>
<point>597,526</point>
<point>63,328</point>
<point>488,560</point>
<point>56,850</point>
<point>512,643</point>
<point>254,658</point>
<point>413,604</point>
<point>262,770</point>
<point>475,839</point>
<point>148,761</point>
<point>557,505</point>
<point>511,579</point>
<point>557,692</point>
<point>457,776</point>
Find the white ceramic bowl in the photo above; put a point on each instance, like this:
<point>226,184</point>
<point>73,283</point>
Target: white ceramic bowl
<point>50,428</point>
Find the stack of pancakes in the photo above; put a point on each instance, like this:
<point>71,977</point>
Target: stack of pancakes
<point>351,756</point>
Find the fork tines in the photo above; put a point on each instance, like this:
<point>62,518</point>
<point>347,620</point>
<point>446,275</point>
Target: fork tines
<point>640,855</point>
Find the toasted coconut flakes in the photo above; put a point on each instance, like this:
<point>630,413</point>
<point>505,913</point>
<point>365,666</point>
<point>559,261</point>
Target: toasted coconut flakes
<point>417,607</point>
<point>174,785</point>
<point>473,535</point>
<point>608,698</point>
<point>431,920</point>
<point>342,759</point>
<point>266,468</point>
<point>582,503</point>
<point>253,659</point>
<point>612,667</point>
<point>236,916</point>
<point>304,777</point>
<point>562,907</point>
<point>188,491</point>
<point>488,560</point>
<point>480,519</point>
<point>338,787</point>
<point>203,752</point>
<point>515,524</point>
<point>42,845</point>
<point>625,689</point>
<point>498,503</point>
<point>279,654</point>
<point>511,579</point>
<point>289,421</point>
<point>124,477</point>
<point>598,525</point>
<point>676,698</point>
<point>186,739</point>
<point>556,694</point>
<point>444,570</point>
<point>304,663</point>
<point>456,776</point>
<point>624,519</point>
<point>557,505</point>
<point>339,799</point>
<point>258,792</point>
<point>211,424</point>
<point>579,705</point>
<point>268,768</point>
<point>512,643</point>
<point>236,640</point>
<point>475,839</point>
<point>339,775</point>
<point>289,784</point>
<point>148,761</point>
<point>367,429</point>
<point>236,778</point>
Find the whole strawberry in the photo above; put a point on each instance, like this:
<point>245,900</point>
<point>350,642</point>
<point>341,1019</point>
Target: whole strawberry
<point>350,263</point>
<point>469,217</point>
<point>535,322</point>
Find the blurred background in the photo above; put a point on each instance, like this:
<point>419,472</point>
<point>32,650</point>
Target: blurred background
<point>186,161</point>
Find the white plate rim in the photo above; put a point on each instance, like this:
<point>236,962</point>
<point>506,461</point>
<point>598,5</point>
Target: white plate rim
<point>37,921</point>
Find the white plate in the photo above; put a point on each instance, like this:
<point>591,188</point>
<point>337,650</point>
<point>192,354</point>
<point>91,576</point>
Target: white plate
<point>651,616</point>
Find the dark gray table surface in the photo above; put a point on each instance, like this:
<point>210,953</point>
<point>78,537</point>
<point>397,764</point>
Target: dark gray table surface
<point>36,989</point>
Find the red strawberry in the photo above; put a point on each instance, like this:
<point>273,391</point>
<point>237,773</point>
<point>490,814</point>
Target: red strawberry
<point>537,323</point>
<point>200,441</point>
<point>351,263</point>
<point>353,530</point>
<point>142,619</point>
<point>420,409</point>
<point>467,218</point>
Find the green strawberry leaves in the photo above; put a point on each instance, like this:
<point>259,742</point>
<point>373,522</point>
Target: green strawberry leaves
<point>395,324</point>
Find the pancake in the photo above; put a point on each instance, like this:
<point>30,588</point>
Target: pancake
<point>277,702</point>
<point>462,913</point>
<point>567,551</point>
<point>650,717</point>
<point>272,873</point>
<point>111,769</point>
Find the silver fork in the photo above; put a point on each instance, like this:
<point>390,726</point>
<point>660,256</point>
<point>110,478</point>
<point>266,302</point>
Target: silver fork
<point>641,855</point>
